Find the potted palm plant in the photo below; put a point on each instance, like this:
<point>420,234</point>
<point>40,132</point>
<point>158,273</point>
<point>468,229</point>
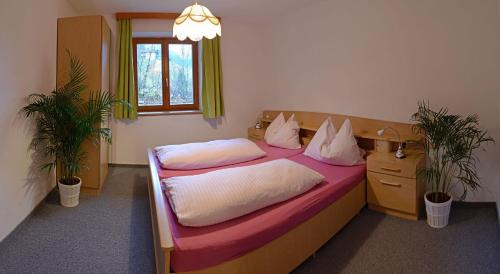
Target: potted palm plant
<point>64,120</point>
<point>449,143</point>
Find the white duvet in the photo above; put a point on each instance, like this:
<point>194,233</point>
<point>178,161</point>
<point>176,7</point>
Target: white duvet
<point>221,195</point>
<point>208,154</point>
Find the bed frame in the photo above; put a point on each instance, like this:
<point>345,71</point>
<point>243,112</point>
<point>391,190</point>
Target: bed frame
<point>284,253</point>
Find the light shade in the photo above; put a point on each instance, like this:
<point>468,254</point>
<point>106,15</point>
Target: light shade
<point>196,22</point>
<point>381,132</point>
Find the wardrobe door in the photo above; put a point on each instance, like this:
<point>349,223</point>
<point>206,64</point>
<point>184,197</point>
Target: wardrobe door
<point>105,85</point>
<point>83,37</point>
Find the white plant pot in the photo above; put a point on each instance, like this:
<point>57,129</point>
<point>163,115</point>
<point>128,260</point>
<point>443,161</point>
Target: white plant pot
<point>438,214</point>
<point>70,194</point>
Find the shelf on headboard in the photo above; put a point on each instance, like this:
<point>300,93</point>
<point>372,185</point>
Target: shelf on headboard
<point>362,127</point>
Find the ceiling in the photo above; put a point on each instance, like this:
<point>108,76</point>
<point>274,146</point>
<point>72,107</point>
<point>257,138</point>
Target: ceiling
<point>246,10</point>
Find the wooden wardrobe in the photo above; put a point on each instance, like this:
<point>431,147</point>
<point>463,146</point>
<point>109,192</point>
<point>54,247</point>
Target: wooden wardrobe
<point>89,39</point>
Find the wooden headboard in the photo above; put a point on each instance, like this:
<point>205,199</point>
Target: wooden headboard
<point>364,129</point>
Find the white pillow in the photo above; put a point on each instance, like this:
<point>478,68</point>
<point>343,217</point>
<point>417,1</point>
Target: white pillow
<point>324,136</point>
<point>208,154</point>
<point>274,127</point>
<point>287,136</point>
<point>343,150</point>
<point>217,196</point>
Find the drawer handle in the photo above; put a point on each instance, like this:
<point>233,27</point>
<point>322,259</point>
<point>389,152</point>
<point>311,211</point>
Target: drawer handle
<point>396,170</point>
<point>390,184</point>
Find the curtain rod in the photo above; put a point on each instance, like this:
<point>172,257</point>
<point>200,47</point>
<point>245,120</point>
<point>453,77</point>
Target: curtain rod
<point>148,15</point>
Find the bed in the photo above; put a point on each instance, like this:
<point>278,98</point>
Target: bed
<point>275,239</point>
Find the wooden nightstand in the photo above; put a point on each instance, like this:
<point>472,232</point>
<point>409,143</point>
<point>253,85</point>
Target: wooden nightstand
<point>255,134</point>
<point>392,184</point>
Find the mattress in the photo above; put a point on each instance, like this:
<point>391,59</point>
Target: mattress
<point>202,247</point>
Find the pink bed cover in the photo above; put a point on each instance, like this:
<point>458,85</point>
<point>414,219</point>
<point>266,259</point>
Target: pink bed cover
<point>202,247</point>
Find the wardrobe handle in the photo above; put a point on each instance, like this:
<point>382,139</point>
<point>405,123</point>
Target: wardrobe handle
<point>390,184</point>
<point>396,170</point>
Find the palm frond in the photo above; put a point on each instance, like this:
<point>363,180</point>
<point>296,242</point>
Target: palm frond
<point>77,77</point>
<point>449,142</point>
<point>64,120</point>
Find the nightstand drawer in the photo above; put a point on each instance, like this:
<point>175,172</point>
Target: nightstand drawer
<point>253,139</point>
<point>392,167</point>
<point>256,134</point>
<point>391,192</point>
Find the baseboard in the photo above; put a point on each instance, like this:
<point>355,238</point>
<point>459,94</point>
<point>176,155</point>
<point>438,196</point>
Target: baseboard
<point>44,199</point>
<point>126,165</point>
<point>476,204</point>
<point>495,205</point>
<point>90,191</point>
<point>498,211</point>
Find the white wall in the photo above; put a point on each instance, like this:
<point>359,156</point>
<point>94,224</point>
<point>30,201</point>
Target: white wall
<point>371,58</point>
<point>241,45</point>
<point>377,58</point>
<point>28,64</point>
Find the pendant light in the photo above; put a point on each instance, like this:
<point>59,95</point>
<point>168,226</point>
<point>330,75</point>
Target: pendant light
<point>196,22</point>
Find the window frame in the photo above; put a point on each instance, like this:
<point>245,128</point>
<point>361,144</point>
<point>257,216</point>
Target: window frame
<point>165,42</point>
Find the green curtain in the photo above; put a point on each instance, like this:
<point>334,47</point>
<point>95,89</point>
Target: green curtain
<point>125,87</point>
<point>212,99</point>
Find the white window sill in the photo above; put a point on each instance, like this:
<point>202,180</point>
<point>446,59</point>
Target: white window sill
<point>173,112</point>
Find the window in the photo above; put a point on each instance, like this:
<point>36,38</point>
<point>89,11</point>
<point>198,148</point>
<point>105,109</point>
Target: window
<point>166,74</point>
